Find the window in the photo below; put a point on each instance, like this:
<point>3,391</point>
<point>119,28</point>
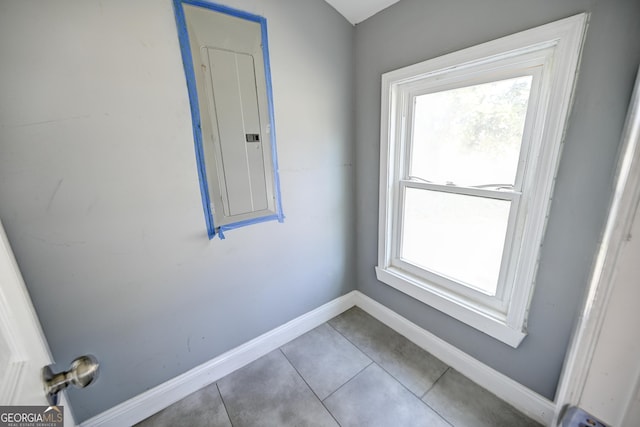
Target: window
<point>469,149</point>
<point>226,61</point>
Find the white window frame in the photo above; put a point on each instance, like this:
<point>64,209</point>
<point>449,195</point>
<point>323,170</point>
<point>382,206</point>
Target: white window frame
<point>551,54</point>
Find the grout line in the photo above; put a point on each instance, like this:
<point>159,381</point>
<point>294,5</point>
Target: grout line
<point>435,382</point>
<point>332,327</point>
<point>352,343</point>
<point>299,374</point>
<point>350,379</point>
<point>431,388</point>
<point>224,405</point>
<point>439,414</point>
<point>399,382</point>
<point>307,384</point>
<point>330,413</point>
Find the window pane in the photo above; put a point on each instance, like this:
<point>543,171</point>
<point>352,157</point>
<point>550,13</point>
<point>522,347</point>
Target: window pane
<point>471,135</point>
<point>457,236</point>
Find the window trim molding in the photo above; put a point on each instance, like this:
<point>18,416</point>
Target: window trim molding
<point>562,40</point>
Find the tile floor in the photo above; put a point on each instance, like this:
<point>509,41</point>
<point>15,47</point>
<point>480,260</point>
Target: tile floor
<point>350,371</point>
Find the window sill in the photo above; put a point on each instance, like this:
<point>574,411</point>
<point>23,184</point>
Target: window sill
<point>452,305</point>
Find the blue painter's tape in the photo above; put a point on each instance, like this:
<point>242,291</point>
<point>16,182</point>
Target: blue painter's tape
<point>185,49</point>
<point>274,154</point>
<point>244,223</point>
<point>225,9</point>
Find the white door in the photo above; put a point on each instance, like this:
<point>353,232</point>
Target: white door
<point>610,388</point>
<point>602,367</point>
<point>23,347</point>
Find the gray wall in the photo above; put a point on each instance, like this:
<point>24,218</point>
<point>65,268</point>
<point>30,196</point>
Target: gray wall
<point>416,30</point>
<point>100,199</point>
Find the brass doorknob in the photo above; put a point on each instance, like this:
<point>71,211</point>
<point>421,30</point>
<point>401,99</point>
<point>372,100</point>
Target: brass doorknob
<point>83,371</point>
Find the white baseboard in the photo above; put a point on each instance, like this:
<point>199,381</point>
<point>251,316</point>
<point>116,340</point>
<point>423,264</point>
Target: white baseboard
<point>525,400</point>
<point>148,403</point>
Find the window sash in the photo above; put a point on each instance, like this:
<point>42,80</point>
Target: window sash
<point>468,110</point>
<point>531,65</point>
<point>498,302</point>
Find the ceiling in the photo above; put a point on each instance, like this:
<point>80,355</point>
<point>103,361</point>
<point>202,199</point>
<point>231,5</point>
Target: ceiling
<point>357,11</point>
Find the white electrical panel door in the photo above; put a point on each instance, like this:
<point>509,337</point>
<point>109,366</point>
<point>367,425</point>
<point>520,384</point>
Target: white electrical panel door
<point>237,135</point>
